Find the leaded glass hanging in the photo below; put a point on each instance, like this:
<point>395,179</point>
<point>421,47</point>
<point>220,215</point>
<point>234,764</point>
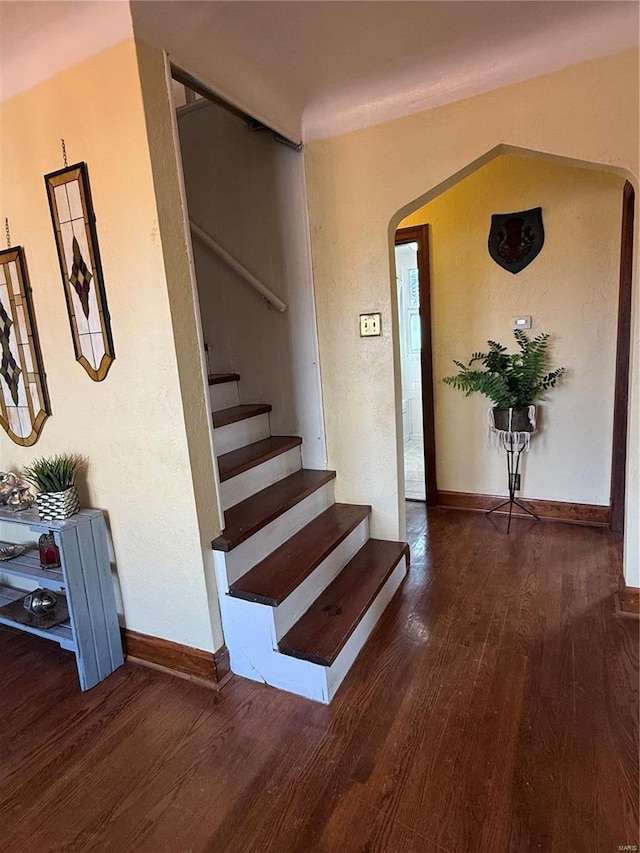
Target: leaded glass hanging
<point>24,401</point>
<point>79,256</point>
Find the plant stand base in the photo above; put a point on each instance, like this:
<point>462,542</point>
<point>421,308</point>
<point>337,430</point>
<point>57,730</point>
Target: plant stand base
<point>514,451</point>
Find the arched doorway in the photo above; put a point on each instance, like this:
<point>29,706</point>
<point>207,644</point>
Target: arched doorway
<point>489,301</point>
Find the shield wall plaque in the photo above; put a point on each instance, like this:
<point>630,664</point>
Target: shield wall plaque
<point>515,239</point>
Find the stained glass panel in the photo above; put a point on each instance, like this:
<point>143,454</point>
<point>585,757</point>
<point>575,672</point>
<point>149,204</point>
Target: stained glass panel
<point>79,256</point>
<point>24,401</point>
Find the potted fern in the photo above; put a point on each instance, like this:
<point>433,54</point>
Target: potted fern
<point>512,381</point>
<point>54,477</point>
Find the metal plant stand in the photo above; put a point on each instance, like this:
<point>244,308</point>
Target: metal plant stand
<point>514,447</point>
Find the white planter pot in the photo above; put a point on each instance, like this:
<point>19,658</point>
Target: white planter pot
<point>56,506</point>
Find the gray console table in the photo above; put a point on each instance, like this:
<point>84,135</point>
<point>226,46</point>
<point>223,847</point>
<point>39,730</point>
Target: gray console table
<point>92,630</point>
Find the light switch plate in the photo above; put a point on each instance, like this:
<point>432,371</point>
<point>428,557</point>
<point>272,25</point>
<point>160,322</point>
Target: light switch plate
<point>370,325</point>
<point>523,322</point>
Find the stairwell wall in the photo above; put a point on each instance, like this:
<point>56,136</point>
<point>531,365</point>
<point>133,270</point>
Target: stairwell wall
<point>247,191</point>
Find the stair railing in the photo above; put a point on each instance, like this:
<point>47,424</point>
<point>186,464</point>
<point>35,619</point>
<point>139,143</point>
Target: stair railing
<point>236,266</point>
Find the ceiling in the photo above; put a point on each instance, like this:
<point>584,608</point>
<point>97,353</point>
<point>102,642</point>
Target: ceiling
<point>39,38</point>
<point>316,68</point>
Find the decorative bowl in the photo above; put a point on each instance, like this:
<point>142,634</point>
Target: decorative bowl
<point>8,552</point>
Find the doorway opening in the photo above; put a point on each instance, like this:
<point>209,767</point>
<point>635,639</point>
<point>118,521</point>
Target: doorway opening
<point>414,313</point>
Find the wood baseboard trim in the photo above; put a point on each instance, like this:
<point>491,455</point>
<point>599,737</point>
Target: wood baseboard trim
<point>572,513</point>
<point>210,667</point>
<point>629,600</point>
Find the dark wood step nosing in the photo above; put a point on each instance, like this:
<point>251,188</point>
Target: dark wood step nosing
<point>277,448</point>
<point>228,542</point>
<point>221,378</point>
<point>241,412</point>
<point>315,560</point>
<point>329,660</point>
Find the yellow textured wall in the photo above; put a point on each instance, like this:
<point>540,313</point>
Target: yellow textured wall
<point>361,185</point>
<point>131,426</point>
<point>570,290</point>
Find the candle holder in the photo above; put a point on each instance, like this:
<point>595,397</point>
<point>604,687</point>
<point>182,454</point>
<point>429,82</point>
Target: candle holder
<point>49,551</point>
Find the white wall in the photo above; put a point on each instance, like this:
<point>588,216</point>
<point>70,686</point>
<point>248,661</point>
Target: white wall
<point>247,191</point>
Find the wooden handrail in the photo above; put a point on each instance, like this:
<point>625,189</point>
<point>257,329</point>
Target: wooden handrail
<point>236,266</point>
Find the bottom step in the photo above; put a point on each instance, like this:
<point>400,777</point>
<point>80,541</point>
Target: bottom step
<point>253,647</point>
<point>321,633</point>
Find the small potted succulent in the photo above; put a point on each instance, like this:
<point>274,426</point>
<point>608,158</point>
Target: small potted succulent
<point>54,477</point>
<point>512,381</point>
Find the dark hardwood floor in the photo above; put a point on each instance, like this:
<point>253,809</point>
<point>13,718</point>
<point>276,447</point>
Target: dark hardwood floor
<point>494,709</point>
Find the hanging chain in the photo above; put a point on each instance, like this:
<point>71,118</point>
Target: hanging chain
<point>6,228</point>
<point>64,153</point>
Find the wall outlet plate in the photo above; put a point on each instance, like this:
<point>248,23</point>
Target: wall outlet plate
<point>522,322</point>
<point>370,325</point>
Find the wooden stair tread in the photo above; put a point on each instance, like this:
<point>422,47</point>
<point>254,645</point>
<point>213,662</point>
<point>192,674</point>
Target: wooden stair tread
<point>220,378</point>
<point>320,634</point>
<point>238,461</point>
<point>247,517</point>
<point>233,414</point>
<point>275,577</point>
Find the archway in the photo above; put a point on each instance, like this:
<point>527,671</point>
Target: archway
<point>575,501</point>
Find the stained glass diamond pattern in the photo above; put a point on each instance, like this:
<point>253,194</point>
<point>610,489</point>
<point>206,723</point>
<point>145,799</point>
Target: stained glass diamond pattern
<point>79,255</point>
<point>80,278</point>
<point>9,369</point>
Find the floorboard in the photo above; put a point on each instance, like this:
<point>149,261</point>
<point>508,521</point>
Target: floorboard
<point>494,710</point>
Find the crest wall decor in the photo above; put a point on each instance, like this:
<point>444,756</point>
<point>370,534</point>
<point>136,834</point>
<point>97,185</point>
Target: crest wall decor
<point>77,243</point>
<point>24,400</point>
<point>515,239</point>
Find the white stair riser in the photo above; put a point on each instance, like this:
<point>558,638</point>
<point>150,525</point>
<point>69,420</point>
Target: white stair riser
<point>257,547</point>
<point>251,649</point>
<point>241,433</point>
<point>294,605</point>
<point>220,566</point>
<point>224,395</point>
<point>343,663</point>
<point>252,652</point>
<point>298,602</point>
<point>244,485</point>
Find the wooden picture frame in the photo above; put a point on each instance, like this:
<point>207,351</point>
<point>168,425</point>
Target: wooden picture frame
<point>24,399</point>
<point>74,227</point>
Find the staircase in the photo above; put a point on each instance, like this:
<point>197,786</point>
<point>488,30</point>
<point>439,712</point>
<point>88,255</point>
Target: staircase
<point>301,584</point>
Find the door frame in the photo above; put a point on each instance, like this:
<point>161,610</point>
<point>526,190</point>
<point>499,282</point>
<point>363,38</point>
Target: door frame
<point>420,234</point>
<point>621,398</point>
